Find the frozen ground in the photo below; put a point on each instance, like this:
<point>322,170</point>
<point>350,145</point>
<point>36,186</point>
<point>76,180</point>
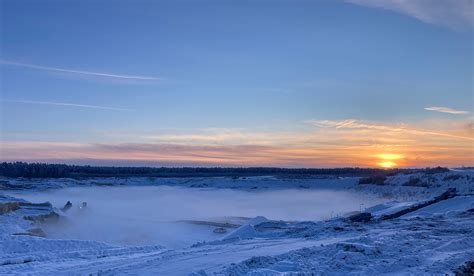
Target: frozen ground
<point>436,239</point>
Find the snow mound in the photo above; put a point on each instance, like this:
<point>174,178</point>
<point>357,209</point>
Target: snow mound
<point>257,220</point>
<point>246,231</point>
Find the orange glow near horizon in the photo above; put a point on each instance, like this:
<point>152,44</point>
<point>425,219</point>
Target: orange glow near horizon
<point>389,156</point>
<point>345,146</point>
<point>387,160</point>
<point>387,164</point>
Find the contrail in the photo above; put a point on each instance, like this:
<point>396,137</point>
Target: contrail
<point>97,74</point>
<point>68,104</point>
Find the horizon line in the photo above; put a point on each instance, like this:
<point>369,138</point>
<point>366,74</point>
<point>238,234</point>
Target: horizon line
<point>222,167</point>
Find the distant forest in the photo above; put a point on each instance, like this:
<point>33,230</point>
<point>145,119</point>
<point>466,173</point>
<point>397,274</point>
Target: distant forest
<point>42,170</point>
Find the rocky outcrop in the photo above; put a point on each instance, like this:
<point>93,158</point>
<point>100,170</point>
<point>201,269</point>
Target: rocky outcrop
<point>6,207</point>
<point>37,212</point>
<point>40,212</point>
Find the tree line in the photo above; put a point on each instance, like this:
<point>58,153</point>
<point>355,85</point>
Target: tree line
<point>43,170</point>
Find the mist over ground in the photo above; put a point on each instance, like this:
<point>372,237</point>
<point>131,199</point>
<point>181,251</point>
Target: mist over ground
<point>149,215</point>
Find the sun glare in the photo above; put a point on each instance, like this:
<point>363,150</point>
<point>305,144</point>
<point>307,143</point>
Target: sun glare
<point>387,159</point>
<point>387,164</point>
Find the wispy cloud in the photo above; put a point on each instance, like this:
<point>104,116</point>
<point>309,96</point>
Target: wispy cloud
<point>68,104</point>
<point>446,110</point>
<point>80,72</point>
<point>358,124</point>
<point>353,124</point>
<point>455,14</point>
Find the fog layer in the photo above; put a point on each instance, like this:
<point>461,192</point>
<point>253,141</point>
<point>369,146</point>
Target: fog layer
<point>148,215</point>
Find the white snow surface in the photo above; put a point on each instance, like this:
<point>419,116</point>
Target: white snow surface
<point>433,240</point>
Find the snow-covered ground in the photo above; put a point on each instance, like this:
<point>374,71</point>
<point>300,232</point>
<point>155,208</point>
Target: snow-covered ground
<point>436,239</point>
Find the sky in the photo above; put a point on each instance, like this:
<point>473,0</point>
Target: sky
<point>278,83</point>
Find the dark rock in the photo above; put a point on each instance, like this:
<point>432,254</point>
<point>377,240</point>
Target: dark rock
<point>220,230</point>
<point>466,269</point>
<point>67,206</point>
<point>362,217</point>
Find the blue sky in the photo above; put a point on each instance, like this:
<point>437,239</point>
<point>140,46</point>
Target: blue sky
<point>89,72</point>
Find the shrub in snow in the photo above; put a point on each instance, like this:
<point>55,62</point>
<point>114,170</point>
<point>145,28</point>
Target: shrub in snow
<point>416,182</point>
<point>452,177</point>
<point>376,179</point>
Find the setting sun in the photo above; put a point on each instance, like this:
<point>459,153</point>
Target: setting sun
<point>387,159</point>
<point>387,164</point>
